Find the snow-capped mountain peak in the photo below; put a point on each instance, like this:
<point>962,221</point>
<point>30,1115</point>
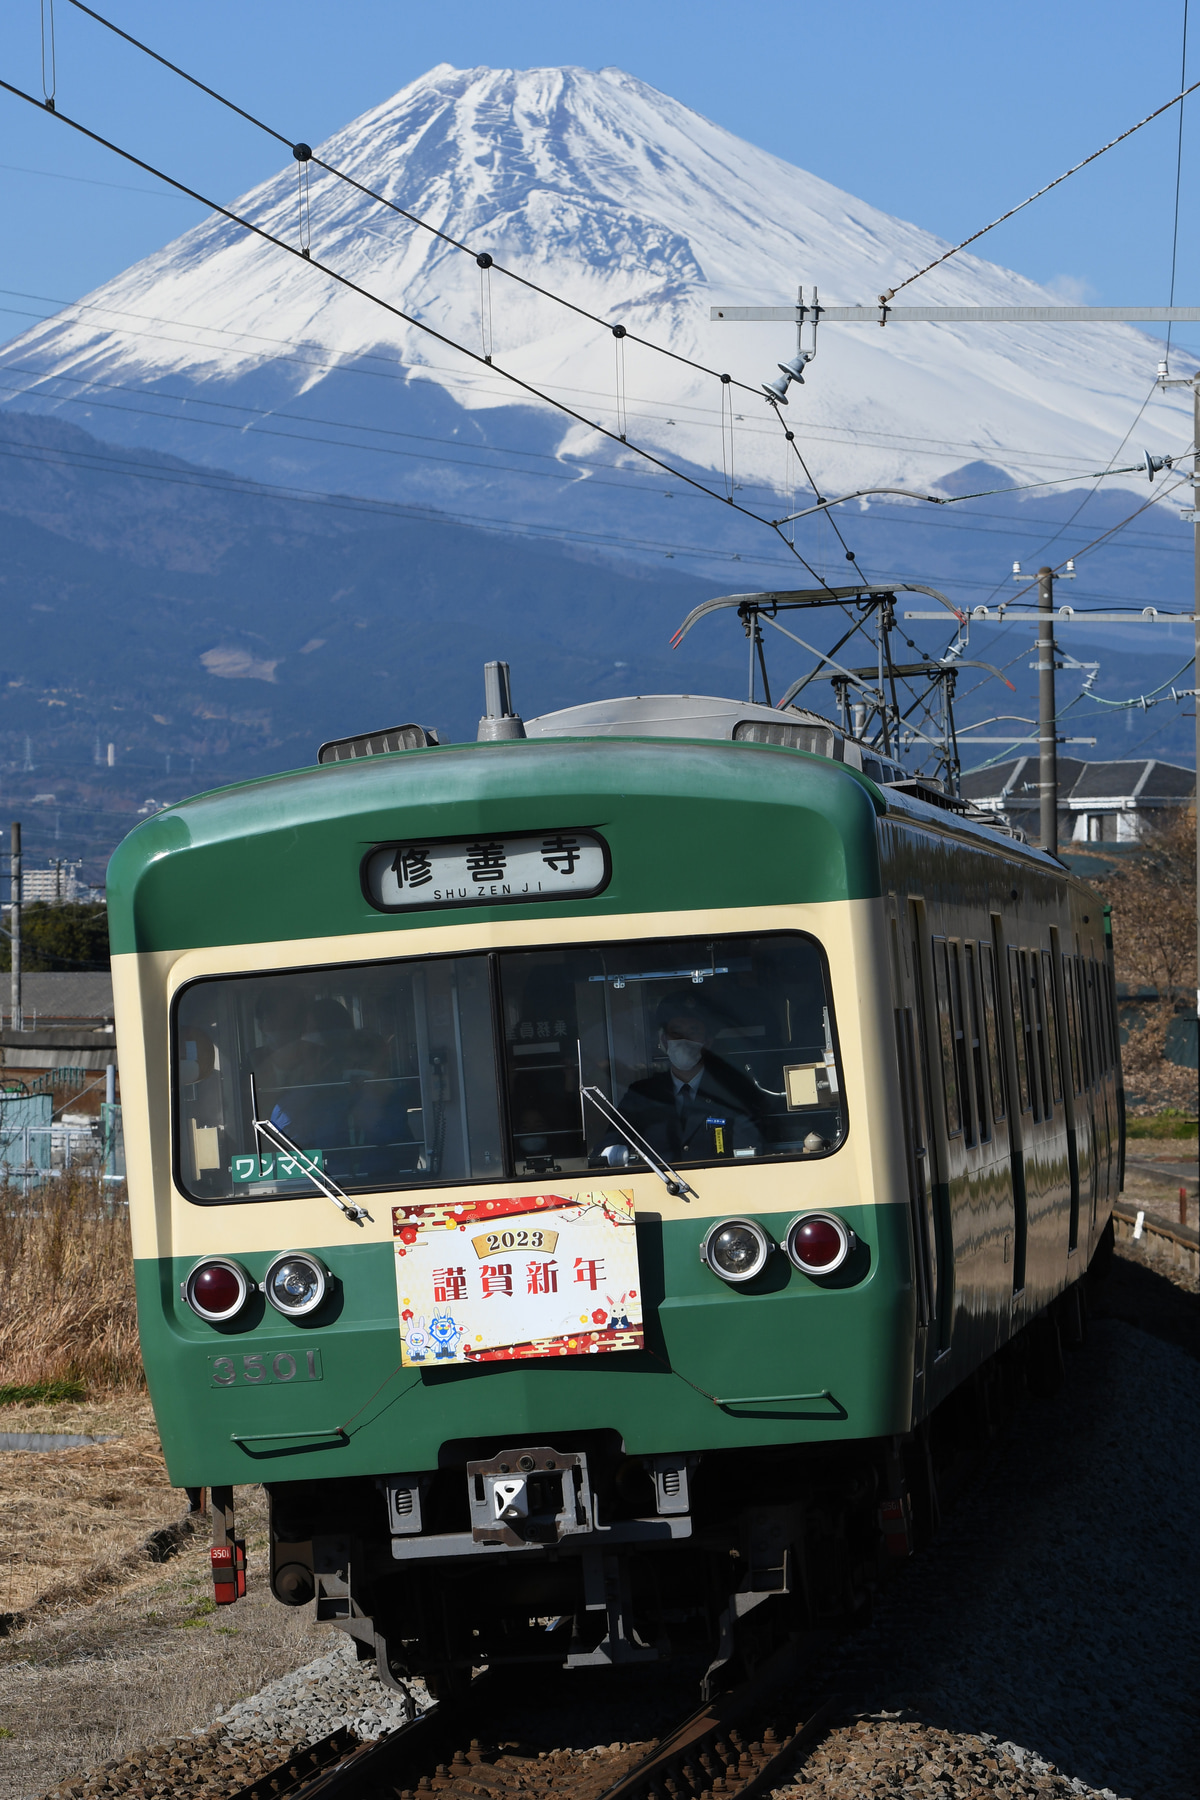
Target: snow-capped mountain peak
<point>626,204</point>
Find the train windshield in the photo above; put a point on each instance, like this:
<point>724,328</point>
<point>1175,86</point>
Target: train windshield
<point>460,1069</point>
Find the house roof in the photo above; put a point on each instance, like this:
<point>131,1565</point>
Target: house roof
<point>1142,781</point>
<point>84,994</point>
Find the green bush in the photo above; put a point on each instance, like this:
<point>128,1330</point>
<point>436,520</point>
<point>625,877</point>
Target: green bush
<point>68,937</point>
<point>1170,1123</point>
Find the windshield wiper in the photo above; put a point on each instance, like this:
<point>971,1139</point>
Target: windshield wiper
<point>674,1184</point>
<point>265,1129</point>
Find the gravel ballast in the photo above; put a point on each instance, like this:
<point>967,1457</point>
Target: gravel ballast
<point>1046,1644</point>
<point>334,1692</point>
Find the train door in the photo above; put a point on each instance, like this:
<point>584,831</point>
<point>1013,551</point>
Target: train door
<point>1045,1143</point>
<point>995,1082</point>
<point>1105,1109</point>
<point>1064,991</point>
<point>1011,1046</point>
<point>931,1083</point>
<point>914,1102</point>
<point>1090,1187</point>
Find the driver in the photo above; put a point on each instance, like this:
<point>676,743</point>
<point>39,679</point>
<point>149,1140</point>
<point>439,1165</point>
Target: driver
<point>699,1107</point>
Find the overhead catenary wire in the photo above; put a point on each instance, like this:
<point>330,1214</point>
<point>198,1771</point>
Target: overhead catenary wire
<point>565,468</point>
<point>418,324</point>
<point>1013,210</point>
<point>396,370</point>
<point>222,482</point>
<point>1178,179</point>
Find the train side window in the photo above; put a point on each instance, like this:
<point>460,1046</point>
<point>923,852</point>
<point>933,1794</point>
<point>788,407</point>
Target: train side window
<point>1068,972</point>
<point>987,969</point>
<point>1089,1022</point>
<point>1110,1009</point>
<point>941,980</point>
<point>1103,1054</point>
<point>1016,992</point>
<point>1051,1026</point>
<point>962,1053</point>
<point>976,1043</point>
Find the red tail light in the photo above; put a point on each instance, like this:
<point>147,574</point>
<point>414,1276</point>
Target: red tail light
<point>819,1243</point>
<point>217,1289</point>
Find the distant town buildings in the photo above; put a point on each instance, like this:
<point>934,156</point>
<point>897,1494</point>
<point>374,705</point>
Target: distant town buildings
<point>59,884</point>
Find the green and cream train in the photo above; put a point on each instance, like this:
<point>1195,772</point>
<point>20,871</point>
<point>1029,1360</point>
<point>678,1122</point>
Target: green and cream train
<point>575,1171</point>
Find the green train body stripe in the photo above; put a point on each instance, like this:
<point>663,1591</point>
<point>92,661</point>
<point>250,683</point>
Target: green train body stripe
<point>704,1340</point>
<point>280,858</point>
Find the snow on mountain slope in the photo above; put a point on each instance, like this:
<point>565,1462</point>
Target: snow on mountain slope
<point>628,204</point>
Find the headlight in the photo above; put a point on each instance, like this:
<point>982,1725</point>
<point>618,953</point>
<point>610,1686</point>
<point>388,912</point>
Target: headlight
<point>736,1249</point>
<point>819,1243</point>
<point>217,1289</point>
<point>296,1283</point>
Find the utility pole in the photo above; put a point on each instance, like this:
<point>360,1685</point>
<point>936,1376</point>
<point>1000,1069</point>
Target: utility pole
<point>18,1018</point>
<point>1047,723</point>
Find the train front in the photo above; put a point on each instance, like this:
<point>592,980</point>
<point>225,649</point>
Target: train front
<point>517,1189</point>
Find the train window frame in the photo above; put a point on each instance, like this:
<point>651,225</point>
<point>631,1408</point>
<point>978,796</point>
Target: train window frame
<point>945,1019</point>
<point>489,957</point>
<point>991,1021</point>
<point>1024,1095</point>
<point>1040,1032</point>
<point>1088,1010</point>
<point>1053,1045</point>
<point>1110,1004</point>
<point>962,1058</point>
<point>976,1042</point>
<point>1068,975</point>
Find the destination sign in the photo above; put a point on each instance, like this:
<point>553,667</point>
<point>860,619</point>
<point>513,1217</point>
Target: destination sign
<point>550,865</point>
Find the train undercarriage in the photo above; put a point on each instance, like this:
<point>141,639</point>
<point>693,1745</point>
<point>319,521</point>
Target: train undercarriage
<point>574,1554</point>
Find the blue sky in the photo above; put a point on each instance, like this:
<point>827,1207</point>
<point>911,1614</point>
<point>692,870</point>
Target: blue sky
<point>942,113</point>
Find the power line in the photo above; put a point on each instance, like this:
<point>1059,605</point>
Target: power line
<point>1013,210</point>
<point>122,187</point>
<point>221,482</point>
<point>1178,179</point>
<point>822,433</point>
<point>563,466</point>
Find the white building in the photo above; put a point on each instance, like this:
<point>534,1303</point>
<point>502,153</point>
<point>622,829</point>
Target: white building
<point>1098,802</point>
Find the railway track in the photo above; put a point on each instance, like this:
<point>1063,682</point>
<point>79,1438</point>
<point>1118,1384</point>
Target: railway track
<point>739,1745</point>
<point>1177,1243</point>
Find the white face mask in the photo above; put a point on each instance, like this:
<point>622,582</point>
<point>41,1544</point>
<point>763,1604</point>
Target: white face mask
<point>684,1053</point>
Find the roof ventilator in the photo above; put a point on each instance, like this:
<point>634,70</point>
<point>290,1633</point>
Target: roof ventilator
<point>378,743</point>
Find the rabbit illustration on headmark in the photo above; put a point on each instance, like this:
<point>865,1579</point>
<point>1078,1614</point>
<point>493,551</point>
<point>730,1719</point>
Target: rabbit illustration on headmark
<point>417,1340</point>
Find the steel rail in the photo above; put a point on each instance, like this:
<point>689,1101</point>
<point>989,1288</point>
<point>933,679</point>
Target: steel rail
<point>736,1746</point>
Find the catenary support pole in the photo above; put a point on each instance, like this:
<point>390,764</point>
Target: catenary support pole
<point>1047,723</point>
<point>18,1019</point>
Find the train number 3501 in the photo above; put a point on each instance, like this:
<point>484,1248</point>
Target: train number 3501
<point>258,1368</point>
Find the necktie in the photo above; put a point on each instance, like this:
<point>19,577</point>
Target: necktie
<point>684,1101</point>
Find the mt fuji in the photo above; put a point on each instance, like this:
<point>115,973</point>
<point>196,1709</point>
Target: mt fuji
<point>225,350</point>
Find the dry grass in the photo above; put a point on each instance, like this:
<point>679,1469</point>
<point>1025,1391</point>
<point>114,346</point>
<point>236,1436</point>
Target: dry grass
<point>67,1316</point>
<point>143,1662</point>
<point>71,1521</point>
